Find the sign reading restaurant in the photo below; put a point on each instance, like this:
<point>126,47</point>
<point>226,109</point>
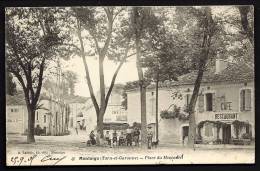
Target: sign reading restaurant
<point>226,116</point>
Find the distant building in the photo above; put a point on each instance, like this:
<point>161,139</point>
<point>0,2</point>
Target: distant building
<point>77,111</point>
<point>115,116</point>
<point>51,117</point>
<point>16,114</point>
<point>224,110</point>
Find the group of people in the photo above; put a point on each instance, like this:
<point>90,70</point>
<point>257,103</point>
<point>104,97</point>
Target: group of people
<point>116,138</point>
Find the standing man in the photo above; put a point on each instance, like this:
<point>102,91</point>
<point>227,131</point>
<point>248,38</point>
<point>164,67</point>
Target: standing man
<point>149,137</point>
<point>77,127</point>
<point>129,137</point>
<point>136,136</point>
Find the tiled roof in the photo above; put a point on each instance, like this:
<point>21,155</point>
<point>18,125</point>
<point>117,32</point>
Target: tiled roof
<point>76,99</point>
<point>15,100</point>
<point>234,73</point>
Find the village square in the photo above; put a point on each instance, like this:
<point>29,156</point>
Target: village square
<point>135,84</point>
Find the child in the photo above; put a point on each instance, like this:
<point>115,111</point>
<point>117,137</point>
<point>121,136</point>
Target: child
<point>121,139</point>
<point>115,138</point>
<point>107,138</point>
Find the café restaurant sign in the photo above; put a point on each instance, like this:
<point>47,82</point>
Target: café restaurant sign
<point>226,116</point>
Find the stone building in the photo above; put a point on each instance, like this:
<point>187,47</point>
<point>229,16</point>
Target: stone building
<point>51,117</point>
<point>224,110</point>
<point>115,116</point>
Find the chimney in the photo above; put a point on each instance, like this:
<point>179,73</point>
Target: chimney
<point>221,64</point>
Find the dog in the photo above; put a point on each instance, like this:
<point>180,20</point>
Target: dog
<point>155,143</point>
<point>89,143</point>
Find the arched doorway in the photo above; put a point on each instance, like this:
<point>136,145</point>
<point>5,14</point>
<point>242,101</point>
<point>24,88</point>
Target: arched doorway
<point>226,133</point>
<point>184,133</point>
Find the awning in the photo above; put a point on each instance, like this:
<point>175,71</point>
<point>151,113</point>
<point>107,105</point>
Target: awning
<point>115,126</point>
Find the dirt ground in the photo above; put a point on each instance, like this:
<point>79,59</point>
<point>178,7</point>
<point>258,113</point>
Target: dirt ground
<point>72,150</point>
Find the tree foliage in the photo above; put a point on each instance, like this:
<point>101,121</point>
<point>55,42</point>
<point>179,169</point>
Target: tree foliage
<point>95,27</point>
<point>10,85</point>
<point>70,81</point>
<point>33,38</point>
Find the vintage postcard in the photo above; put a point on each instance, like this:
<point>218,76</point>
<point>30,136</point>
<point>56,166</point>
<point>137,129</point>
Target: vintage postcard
<point>123,85</point>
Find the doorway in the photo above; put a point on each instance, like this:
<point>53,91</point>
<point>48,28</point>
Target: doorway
<point>226,133</point>
<point>185,134</point>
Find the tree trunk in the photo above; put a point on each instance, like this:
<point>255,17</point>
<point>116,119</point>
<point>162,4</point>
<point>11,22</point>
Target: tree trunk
<point>143,114</point>
<point>31,123</point>
<point>100,123</point>
<point>140,76</point>
<point>142,95</point>
<point>244,10</point>
<point>192,120</point>
<point>202,63</point>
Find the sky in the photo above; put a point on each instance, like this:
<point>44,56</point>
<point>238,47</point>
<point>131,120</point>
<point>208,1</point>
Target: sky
<point>128,72</point>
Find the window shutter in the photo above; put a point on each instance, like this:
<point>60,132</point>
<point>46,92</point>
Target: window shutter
<point>201,103</point>
<point>219,102</point>
<point>248,99</point>
<point>213,102</point>
<point>241,100</point>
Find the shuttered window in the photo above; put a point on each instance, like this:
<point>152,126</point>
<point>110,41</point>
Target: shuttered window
<point>201,103</point>
<point>245,100</point>
<point>209,102</point>
<point>187,99</point>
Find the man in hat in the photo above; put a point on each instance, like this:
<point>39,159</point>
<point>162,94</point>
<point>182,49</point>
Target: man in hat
<point>149,137</point>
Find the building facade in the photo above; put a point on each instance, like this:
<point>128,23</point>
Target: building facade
<point>16,115</point>
<point>50,119</point>
<point>115,115</point>
<point>224,111</point>
<point>77,111</point>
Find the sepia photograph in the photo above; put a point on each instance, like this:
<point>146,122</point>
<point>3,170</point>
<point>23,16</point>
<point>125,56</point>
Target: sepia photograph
<point>129,85</point>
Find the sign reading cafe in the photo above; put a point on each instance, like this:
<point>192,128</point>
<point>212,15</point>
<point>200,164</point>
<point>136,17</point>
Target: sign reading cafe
<point>226,116</point>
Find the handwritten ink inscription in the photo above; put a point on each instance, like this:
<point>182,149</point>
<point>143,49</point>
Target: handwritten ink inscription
<point>18,161</point>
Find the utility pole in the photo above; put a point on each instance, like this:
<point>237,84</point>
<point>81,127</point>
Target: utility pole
<point>156,107</point>
<point>156,101</point>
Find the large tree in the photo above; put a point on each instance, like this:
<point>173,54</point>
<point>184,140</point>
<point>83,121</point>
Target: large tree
<point>146,33</point>
<point>95,28</point>
<point>247,20</point>
<point>202,40</point>
<point>165,63</point>
<point>32,39</point>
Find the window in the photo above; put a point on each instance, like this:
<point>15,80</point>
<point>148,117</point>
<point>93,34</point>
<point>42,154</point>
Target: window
<point>44,119</point>
<point>209,102</point>
<point>187,99</point>
<point>245,100</point>
<point>247,129</point>
<point>14,110</point>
